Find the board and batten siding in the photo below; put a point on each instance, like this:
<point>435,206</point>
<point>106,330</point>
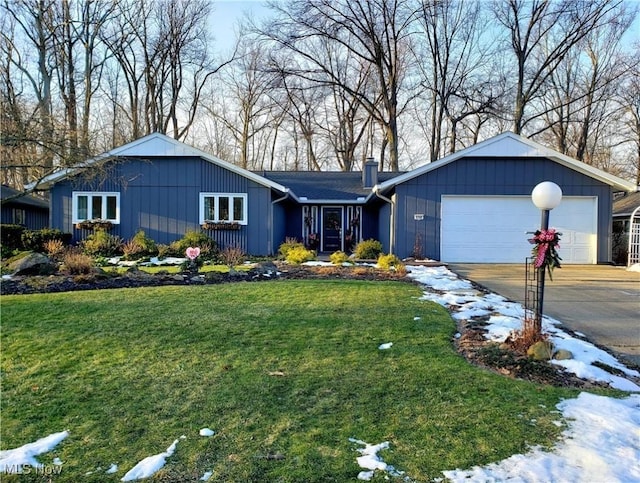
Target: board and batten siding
<point>489,177</point>
<point>161,196</point>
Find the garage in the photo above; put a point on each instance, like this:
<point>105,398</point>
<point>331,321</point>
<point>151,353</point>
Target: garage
<point>493,229</point>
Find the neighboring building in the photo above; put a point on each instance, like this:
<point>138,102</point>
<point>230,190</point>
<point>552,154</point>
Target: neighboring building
<point>471,206</point>
<point>626,220</point>
<point>25,210</point>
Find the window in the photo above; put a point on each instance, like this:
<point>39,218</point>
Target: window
<point>19,216</point>
<point>223,208</point>
<point>96,206</point>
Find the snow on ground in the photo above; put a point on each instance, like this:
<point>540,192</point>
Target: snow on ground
<point>15,460</point>
<point>371,461</point>
<point>151,464</point>
<point>601,444</point>
<point>505,317</point>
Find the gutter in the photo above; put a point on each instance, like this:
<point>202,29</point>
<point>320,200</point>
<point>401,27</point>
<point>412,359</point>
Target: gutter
<point>392,237</point>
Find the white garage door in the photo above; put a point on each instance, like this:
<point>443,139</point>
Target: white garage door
<point>493,229</point>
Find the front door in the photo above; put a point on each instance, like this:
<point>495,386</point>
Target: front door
<point>331,228</point>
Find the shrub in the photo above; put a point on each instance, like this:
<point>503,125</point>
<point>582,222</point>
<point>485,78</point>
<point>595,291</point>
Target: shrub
<point>300,254</point>
<point>11,237</point>
<point>54,248</point>
<point>76,263</point>
<point>368,249</point>
<point>100,243</point>
<point>146,243</point>
<point>35,239</point>
<point>132,250</point>
<point>232,256</point>
<point>288,245</point>
<point>339,258</point>
<point>208,247</point>
<point>389,261</point>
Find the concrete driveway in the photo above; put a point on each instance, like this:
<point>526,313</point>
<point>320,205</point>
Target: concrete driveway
<point>600,301</point>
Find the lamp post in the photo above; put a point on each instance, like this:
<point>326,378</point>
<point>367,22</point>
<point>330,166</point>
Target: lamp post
<point>546,196</point>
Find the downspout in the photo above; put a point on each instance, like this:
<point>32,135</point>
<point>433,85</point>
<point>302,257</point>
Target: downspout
<point>271,234</point>
<point>392,232</point>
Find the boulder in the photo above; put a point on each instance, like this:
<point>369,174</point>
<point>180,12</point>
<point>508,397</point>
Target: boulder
<point>563,355</point>
<point>541,351</point>
<point>33,264</point>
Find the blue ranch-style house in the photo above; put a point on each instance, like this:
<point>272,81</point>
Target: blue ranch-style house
<point>471,206</point>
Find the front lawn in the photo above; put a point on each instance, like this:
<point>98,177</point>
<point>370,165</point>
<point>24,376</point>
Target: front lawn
<point>283,372</point>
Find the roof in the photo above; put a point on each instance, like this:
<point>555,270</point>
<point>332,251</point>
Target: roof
<point>624,206</point>
<point>154,145</point>
<point>506,145</point>
<point>25,200</point>
<point>325,186</point>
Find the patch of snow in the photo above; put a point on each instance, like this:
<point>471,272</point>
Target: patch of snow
<point>57,461</point>
<point>13,460</point>
<point>371,461</point>
<point>167,261</point>
<point>458,295</point>
<point>112,469</point>
<point>206,432</point>
<point>634,268</point>
<point>150,465</point>
<point>385,346</point>
<point>601,443</point>
<point>7,277</point>
<point>206,476</point>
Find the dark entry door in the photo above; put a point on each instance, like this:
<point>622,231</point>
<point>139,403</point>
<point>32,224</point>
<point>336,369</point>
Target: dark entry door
<point>331,228</point>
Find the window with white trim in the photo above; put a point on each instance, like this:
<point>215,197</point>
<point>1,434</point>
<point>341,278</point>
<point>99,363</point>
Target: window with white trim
<point>223,208</point>
<point>96,206</point>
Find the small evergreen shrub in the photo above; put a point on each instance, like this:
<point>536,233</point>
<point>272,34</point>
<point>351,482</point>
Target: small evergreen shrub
<point>101,244</point>
<point>34,240</point>
<point>389,261</point>
<point>288,245</point>
<point>146,243</point>
<point>338,258</point>
<point>368,249</point>
<point>298,255</point>
<point>208,247</point>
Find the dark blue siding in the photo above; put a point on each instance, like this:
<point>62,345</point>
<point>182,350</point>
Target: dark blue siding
<point>161,197</point>
<point>489,176</point>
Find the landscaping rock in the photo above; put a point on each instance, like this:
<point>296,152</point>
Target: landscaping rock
<point>563,355</point>
<point>33,264</point>
<point>266,268</point>
<point>541,351</point>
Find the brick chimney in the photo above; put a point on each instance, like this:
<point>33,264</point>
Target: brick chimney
<point>370,173</point>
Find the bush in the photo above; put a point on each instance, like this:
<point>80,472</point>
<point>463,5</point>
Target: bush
<point>101,244</point>
<point>76,263</point>
<point>11,237</point>
<point>288,245</point>
<point>339,258</point>
<point>300,254</point>
<point>368,249</point>
<point>232,256</point>
<point>147,244</point>
<point>35,240</point>
<point>54,248</point>
<point>208,247</point>
<point>132,250</point>
<point>387,262</point>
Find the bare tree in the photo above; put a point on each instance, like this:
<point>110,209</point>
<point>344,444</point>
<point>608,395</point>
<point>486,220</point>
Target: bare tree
<point>375,32</point>
<point>541,33</point>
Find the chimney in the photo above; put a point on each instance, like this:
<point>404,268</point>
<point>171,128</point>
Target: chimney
<point>370,173</point>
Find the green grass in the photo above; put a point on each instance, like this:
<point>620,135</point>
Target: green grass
<point>128,371</point>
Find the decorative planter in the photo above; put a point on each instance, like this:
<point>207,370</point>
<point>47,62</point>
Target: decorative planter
<point>220,226</point>
<point>94,225</point>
